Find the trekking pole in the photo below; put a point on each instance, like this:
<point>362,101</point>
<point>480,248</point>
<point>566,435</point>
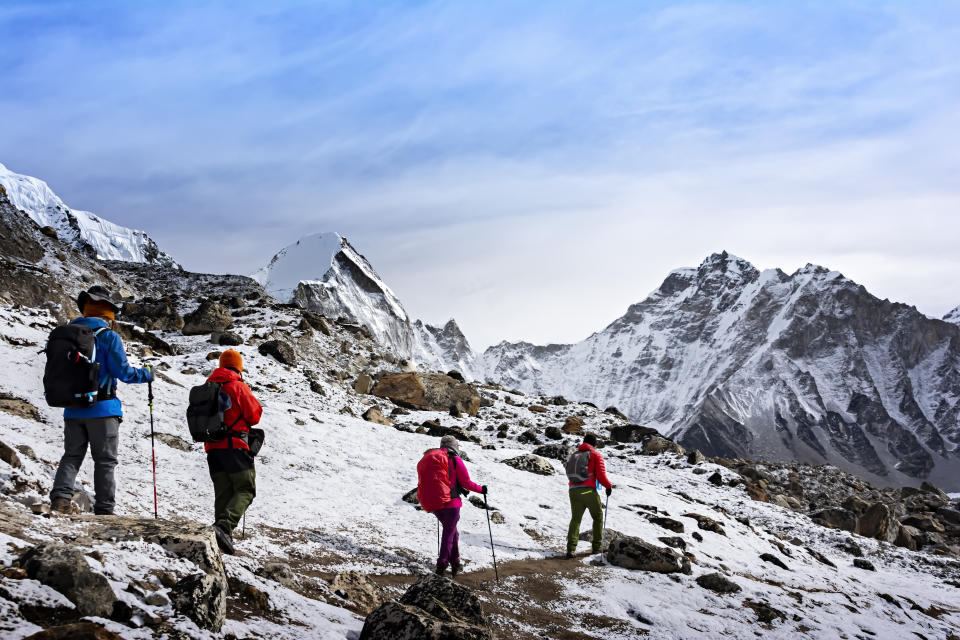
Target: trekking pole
<point>487,509</point>
<point>603,536</point>
<point>438,537</point>
<point>244,531</point>
<point>153,449</point>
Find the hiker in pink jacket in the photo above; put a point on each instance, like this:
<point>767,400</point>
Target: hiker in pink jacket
<point>442,478</point>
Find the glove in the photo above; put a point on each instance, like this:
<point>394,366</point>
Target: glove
<point>483,489</point>
<point>150,371</point>
<point>609,491</point>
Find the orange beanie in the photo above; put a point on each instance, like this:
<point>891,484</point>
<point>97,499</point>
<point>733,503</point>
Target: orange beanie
<point>98,309</point>
<point>230,359</point>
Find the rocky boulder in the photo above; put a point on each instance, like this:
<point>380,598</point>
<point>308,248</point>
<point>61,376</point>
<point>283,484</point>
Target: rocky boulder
<point>202,598</point>
<point>226,338</point>
<point>879,522</point>
<point>655,445</point>
<point>76,631</point>
<point>718,583</point>
<point>363,384</point>
<point>836,518</point>
<point>633,553</point>
<point>207,318</point>
<point>435,608</point>
<point>183,538</point>
<point>363,594</point>
<point>154,314</point>
<point>428,392</point>
<point>556,450</point>
<point>573,425</point>
<point>531,463</point>
<point>373,414</point>
<point>626,433</point>
<point>65,569</point>
<point>281,350</point>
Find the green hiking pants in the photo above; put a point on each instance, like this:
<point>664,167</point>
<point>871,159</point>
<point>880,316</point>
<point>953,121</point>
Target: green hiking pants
<point>583,499</point>
<point>233,493</point>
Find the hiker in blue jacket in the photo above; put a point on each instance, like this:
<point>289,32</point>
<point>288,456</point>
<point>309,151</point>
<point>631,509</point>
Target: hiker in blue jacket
<point>99,424</point>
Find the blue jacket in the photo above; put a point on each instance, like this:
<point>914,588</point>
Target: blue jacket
<point>113,365</point>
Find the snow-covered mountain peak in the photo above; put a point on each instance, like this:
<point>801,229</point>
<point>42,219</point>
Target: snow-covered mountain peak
<point>953,316</point>
<point>83,230</point>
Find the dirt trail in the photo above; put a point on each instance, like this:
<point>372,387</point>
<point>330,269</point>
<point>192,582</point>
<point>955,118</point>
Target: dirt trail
<point>527,598</point>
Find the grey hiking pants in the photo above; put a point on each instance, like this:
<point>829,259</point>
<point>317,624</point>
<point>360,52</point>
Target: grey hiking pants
<point>102,434</point>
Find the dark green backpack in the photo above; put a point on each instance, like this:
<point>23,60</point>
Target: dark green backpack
<point>208,402</point>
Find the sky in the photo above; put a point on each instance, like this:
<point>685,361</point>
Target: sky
<point>528,168</point>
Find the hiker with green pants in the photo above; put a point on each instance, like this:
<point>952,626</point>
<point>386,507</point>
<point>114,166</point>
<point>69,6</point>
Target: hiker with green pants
<point>230,460</point>
<point>586,473</point>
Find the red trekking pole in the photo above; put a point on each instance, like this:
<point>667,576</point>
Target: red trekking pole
<point>153,450</point>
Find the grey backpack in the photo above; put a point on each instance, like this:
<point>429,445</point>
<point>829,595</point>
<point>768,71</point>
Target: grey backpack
<point>577,467</point>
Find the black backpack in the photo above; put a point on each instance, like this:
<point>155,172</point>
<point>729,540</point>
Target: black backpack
<point>578,466</point>
<point>71,378</point>
<point>208,402</point>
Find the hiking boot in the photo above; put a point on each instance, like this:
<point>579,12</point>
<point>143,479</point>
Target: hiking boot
<point>441,569</point>
<point>569,554</point>
<point>224,540</point>
<point>61,505</point>
<point>455,568</point>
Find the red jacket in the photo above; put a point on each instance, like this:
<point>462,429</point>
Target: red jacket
<point>435,484</point>
<point>244,408</point>
<point>596,470</point>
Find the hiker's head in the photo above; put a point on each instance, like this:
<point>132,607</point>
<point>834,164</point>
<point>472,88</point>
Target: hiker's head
<point>450,444</point>
<point>98,302</point>
<point>590,439</point>
<point>231,359</point>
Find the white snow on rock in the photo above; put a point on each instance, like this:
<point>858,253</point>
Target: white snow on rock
<point>323,273</point>
<point>953,316</point>
<point>83,230</point>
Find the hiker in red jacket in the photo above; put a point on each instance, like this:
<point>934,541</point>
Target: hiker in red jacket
<point>586,473</point>
<point>442,478</point>
<point>229,460</point>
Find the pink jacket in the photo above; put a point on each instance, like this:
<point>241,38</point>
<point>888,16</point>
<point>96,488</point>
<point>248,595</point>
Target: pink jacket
<point>434,496</point>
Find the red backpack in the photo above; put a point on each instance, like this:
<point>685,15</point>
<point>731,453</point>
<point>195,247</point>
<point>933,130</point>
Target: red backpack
<point>433,480</point>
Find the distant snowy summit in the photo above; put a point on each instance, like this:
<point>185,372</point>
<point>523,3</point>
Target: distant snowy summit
<point>953,316</point>
<point>85,231</point>
<point>323,273</point>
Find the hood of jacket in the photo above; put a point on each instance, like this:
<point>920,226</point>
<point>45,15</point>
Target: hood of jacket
<point>223,376</point>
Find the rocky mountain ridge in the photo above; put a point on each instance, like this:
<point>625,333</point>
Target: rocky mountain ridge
<point>94,236</point>
<point>764,365</point>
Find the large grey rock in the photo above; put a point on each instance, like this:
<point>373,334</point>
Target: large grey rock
<point>361,592</point>
<point>633,553</point>
<point>373,414</point>
<point>207,318</point>
<point>836,518</point>
<point>656,445</point>
<point>531,463</point>
<point>435,608</point>
<point>183,538</point>
<point>632,433</point>
<point>428,392</point>
<point>8,455</point>
<point>718,583</point>
<point>75,631</point>
<point>202,597</point>
<point>879,522</point>
<point>281,350</point>
<point>65,569</point>
<point>153,314</point>
<point>363,384</point>
<point>556,450</point>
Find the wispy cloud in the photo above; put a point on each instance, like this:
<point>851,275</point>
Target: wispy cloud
<point>541,166</point>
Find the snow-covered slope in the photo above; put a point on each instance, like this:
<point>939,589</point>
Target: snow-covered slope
<point>953,316</point>
<point>736,362</point>
<point>323,273</point>
<point>90,233</point>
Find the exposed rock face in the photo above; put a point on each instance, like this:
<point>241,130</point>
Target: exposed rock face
<point>633,553</point>
<point>185,539</point>
<point>435,608</point>
<point>65,569</point>
<point>153,314</point>
<point>208,317</point>
<point>739,363</point>
<point>531,463</point>
<point>202,598</point>
<point>428,392</point>
<point>281,350</point>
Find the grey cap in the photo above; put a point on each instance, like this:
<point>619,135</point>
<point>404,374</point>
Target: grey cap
<point>449,442</point>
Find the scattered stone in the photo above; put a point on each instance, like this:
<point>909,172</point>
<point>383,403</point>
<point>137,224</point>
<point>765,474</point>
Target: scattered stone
<point>615,412</point>
<point>553,433</point>
<point>428,392</point>
<point>534,408</point>
<point>456,375</point>
<point>373,414</point>
<point>281,350</point>
<point>207,318</point>
<point>627,433</point>
<point>719,584</point>
<point>695,457</point>
<point>8,455</point>
<point>364,594</point>
<point>674,541</point>
<point>765,613</point>
<point>715,479</point>
<point>866,565</point>
<point>316,321</point>
<point>75,631</point>
<point>531,463</point>
<point>657,445</point>
<point>65,569</point>
<point>772,559</point>
<point>202,597</point>
<point>836,518</point>
<point>528,437</point>
<point>214,355</point>
<point>435,608</point>
<point>555,450</point>
<point>822,559</point>
<point>172,441</point>
<point>573,425</point>
<point>633,553</point>
<point>851,547</point>
<point>226,339</point>
<point>157,599</point>
<point>878,522</point>
<point>705,523</point>
<point>667,523</point>
<point>253,598</point>
<point>279,572</point>
<point>497,518</point>
<point>154,314</point>
<point>363,384</point>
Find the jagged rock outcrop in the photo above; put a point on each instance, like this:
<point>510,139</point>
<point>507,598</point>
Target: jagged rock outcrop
<point>65,569</point>
<point>208,317</point>
<point>765,365</point>
<point>202,598</point>
<point>435,608</point>
<point>429,392</point>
